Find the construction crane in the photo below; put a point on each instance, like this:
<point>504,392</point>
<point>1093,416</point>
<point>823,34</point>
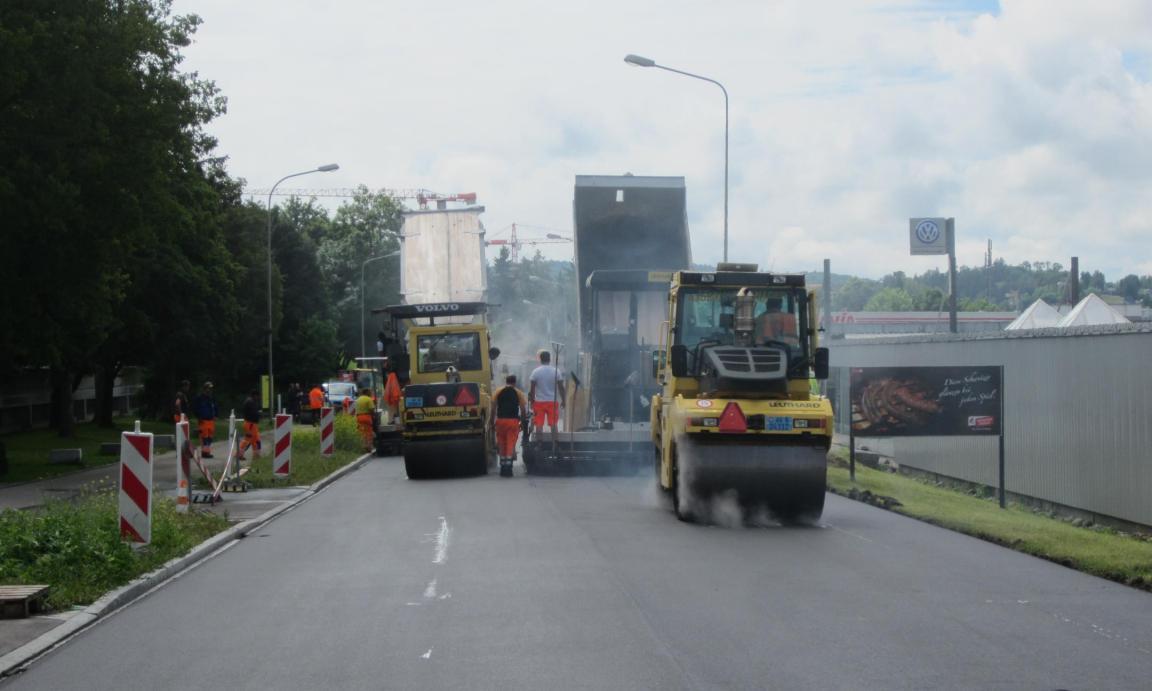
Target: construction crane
<point>422,196</point>
<point>514,242</point>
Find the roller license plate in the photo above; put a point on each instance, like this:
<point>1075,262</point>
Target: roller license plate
<point>778,424</point>
<point>413,402</point>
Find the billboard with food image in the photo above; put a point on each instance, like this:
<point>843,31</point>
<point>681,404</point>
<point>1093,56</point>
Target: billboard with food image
<point>925,401</point>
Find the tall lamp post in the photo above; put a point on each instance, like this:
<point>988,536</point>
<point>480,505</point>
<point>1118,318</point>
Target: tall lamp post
<point>369,260</point>
<point>639,61</point>
<point>271,382</point>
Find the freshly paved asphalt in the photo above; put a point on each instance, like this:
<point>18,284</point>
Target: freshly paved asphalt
<point>490,583</point>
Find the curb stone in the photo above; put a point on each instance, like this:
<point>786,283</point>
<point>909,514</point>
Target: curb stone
<point>17,660</point>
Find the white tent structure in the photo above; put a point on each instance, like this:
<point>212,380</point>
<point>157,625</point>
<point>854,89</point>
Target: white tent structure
<point>1039,315</point>
<point>1092,311</point>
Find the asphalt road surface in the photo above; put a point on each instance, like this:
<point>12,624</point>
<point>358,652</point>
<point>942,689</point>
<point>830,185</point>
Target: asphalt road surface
<point>590,583</point>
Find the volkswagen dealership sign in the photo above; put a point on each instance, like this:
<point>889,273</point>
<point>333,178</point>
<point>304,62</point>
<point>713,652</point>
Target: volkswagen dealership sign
<point>929,235</point>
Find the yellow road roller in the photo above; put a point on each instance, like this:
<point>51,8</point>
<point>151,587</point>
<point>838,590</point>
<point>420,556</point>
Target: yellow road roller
<point>736,420</point>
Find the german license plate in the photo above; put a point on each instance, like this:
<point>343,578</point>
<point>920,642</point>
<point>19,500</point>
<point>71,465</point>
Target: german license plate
<point>778,424</point>
<point>413,402</point>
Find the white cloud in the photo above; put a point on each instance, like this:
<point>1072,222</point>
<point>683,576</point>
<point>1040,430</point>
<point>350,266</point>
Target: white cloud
<point>1032,126</point>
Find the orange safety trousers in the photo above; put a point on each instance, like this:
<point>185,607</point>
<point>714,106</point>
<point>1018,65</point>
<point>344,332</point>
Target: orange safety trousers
<point>251,440</point>
<point>364,424</point>
<point>207,433</point>
<point>507,432</point>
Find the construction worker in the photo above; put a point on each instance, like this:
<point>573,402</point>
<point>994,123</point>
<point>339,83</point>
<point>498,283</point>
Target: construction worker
<point>181,408</point>
<point>365,407</point>
<point>546,394</point>
<point>510,405</point>
<point>206,412</point>
<point>315,403</point>
<point>773,324</point>
<point>251,412</point>
<point>392,393</point>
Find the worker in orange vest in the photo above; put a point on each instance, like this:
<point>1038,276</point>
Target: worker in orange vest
<point>365,408</point>
<point>392,394</point>
<point>251,412</point>
<point>315,403</point>
<point>773,324</point>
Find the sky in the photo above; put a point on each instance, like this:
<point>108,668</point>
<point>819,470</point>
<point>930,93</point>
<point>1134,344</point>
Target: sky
<point>1028,121</point>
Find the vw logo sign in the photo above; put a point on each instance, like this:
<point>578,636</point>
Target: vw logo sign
<point>927,231</point>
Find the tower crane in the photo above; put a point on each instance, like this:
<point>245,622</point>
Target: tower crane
<point>422,196</point>
<point>514,242</point>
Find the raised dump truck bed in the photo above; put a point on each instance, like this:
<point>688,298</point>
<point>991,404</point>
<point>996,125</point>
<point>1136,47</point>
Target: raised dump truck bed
<point>630,234</point>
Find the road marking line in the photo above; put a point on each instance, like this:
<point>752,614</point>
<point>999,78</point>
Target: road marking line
<point>442,542</point>
<point>430,591</point>
<point>427,655</point>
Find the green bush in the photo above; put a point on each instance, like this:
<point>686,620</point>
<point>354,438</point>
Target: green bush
<point>75,546</point>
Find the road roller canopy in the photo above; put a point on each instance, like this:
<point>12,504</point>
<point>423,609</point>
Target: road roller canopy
<point>431,311</point>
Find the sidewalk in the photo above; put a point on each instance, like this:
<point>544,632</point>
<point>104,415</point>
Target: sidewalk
<point>237,506</point>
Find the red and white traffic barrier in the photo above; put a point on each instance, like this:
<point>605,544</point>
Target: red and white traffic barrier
<point>136,486</point>
<point>327,431</point>
<point>282,460</point>
<point>183,465</point>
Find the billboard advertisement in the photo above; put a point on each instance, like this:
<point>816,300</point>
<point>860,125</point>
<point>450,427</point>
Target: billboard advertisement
<point>926,401</point>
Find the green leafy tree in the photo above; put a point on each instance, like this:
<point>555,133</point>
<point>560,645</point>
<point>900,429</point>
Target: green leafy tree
<point>1129,287</point>
<point>99,134</point>
<point>890,300</point>
<point>854,294</point>
<point>367,226</point>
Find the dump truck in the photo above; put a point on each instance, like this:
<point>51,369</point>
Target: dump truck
<point>630,234</point>
<point>437,343</point>
<point>736,415</point>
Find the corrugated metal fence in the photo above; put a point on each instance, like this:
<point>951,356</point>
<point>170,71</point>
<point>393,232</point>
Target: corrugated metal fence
<point>1077,409</point>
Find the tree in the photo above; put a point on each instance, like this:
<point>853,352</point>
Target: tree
<point>367,226</point>
<point>1129,287</point>
<point>853,295</point>
<point>100,138</point>
<point>890,300</point>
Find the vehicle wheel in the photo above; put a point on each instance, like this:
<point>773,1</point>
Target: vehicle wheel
<point>414,469</point>
<point>679,506</point>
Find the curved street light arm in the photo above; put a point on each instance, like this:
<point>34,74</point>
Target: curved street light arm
<point>725,92</point>
<point>320,169</point>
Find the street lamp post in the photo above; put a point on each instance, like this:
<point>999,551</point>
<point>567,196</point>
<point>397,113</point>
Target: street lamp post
<point>363,346</point>
<point>271,381</point>
<point>640,61</point>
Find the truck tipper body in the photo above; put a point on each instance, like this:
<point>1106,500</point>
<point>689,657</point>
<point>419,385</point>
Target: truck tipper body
<point>438,345</point>
<point>630,234</point>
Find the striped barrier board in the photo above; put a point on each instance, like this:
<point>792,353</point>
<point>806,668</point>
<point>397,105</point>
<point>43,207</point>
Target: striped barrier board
<point>183,465</point>
<point>282,459</point>
<point>135,498</point>
<point>327,431</point>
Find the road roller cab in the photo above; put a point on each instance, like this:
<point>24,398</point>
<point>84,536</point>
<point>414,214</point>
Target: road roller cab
<point>443,357</point>
<point>735,413</point>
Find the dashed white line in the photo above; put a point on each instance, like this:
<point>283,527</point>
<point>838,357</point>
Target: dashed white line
<point>442,542</point>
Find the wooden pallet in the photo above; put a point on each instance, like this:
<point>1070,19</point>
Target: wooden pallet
<point>20,601</point>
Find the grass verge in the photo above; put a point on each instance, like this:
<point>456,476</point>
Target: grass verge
<point>28,451</point>
<point>308,466</point>
<point>74,546</point>
<point>1096,550</point>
